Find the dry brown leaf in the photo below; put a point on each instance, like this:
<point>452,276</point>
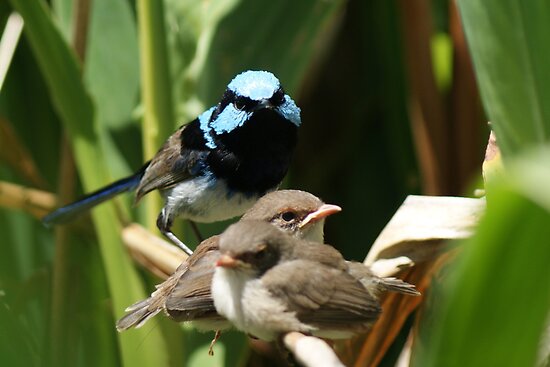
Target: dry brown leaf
<point>422,224</point>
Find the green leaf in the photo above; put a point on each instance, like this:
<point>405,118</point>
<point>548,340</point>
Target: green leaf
<point>112,62</point>
<point>507,40</point>
<point>73,103</point>
<point>496,308</point>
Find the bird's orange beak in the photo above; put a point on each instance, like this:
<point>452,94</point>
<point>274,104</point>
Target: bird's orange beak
<point>226,261</point>
<point>324,211</point>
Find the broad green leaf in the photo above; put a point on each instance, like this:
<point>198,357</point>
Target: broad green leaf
<point>497,305</point>
<point>508,39</point>
<point>75,108</point>
<point>112,62</point>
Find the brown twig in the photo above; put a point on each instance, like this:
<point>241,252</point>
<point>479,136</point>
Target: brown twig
<point>36,202</point>
<point>155,254</point>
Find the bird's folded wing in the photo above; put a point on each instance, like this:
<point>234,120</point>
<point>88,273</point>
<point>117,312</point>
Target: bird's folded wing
<point>192,297</point>
<point>172,164</point>
<point>322,253</point>
<point>322,296</point>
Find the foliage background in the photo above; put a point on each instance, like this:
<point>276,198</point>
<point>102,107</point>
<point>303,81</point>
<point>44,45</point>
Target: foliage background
<point>390,108</point>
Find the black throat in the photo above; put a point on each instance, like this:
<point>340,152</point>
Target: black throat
<point>254,158</point>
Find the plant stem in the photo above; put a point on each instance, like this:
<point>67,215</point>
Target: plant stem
<point>156,88</point>
<point>60,314</point>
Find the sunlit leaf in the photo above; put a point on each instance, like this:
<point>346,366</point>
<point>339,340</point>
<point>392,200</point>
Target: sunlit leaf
<point>506,38</point>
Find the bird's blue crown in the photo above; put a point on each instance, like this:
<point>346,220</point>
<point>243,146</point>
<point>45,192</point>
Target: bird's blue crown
<point>257,86</point>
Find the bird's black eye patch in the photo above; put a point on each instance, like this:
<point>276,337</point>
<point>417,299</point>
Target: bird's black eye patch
<point>228,97</point>
<point>260,254</point>
<point>278,98</point>
<point>288,216</point>
<point>243,103</point>
<point>240,103</point>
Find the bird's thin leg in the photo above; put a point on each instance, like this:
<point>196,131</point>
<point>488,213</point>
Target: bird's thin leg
<point>216,337</point>
<point>164,223</point>
<point>196,231</point>
<point>172,237</point>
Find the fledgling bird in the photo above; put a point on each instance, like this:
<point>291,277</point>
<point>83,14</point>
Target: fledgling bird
<point>268,283</point>
<point>186,295</point>
<point>218,165</point>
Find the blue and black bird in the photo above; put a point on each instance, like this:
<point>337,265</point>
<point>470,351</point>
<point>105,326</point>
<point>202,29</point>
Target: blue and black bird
<point>218,165</point>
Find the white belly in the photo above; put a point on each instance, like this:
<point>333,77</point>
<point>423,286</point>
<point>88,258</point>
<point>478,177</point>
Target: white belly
<point>204,199</point>
<point>250,307</point>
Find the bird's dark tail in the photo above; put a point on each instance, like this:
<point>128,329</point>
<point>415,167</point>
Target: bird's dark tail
<point>376,284</point>
<point>71,211</point>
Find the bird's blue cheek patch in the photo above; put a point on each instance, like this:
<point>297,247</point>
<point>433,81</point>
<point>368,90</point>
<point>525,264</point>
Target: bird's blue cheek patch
<point>290,111</point>
<point>203,120</point>
<point>229,119</point>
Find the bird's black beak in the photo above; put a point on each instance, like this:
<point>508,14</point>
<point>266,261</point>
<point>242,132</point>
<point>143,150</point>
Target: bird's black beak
<point>265,103</point>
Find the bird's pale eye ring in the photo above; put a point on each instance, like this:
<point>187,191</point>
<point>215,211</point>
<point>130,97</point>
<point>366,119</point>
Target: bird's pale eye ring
<point>288,216</point>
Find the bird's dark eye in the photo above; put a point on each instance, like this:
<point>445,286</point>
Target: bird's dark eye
<point>240,104</point>
<point>278,98</point>
<point>288,216</point>
<point>260,254</point>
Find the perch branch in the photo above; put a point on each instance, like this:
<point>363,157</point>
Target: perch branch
<point>36,202</point>
<point>311,351</point>
<point>155,254</point>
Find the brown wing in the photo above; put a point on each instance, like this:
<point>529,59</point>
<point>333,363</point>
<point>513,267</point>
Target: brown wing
<point>322,296</point>
<point>172,164</point>
<point>317,252</point>
<point>191,297</point>
<point>185,291</point>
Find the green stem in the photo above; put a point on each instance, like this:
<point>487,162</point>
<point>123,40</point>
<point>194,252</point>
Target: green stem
<point>156,87</point>
<point>60,316</point>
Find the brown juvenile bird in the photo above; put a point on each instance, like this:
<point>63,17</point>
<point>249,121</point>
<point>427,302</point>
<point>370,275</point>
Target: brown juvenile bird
<point>186,295</point>
<point>268,283</point>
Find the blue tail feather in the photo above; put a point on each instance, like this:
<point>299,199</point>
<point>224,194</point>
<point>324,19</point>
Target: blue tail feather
<point>70,211</point>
